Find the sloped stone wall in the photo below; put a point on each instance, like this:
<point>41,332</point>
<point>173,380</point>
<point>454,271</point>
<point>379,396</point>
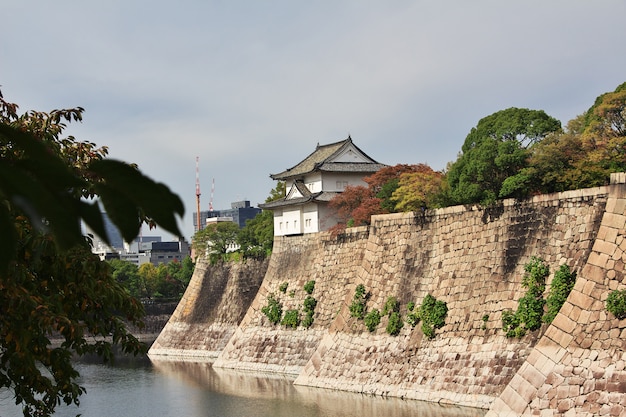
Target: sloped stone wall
<point>330,262</point>
<point>471,259</point>
<point>578,366</point>
<point>212,307</point>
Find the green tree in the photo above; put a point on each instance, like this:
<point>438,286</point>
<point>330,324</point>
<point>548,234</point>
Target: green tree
<point>256,238</point>
<point>127,274</point>
<point>592,146</point>
<point>496,149</point>
<point>51,285</point>
<point>216,240</point>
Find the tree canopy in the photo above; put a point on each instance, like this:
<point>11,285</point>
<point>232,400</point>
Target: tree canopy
<point>496,149</point>
<point>51,285</point>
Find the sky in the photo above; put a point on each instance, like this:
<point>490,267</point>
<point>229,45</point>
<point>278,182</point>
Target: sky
<point>251,87</point>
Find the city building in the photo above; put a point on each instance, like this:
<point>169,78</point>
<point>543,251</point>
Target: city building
<point>142,250</point>
<point>239,212</point>
<point>313,182</point>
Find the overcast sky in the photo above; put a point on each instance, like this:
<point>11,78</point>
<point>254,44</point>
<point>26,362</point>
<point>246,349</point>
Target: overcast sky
<point>250,87</point>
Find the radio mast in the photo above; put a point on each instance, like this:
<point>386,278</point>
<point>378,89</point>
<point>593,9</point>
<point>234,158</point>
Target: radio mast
<point>198,226</point>
<point>212,191</point>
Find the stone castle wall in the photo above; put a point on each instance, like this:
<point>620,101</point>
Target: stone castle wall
<point>212,307</point>
<point>473,259</point>
<point>578,366</point>
<point>327,260</point>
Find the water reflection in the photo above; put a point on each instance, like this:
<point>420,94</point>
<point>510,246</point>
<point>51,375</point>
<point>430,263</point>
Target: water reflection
<point>137,387</point>
<point>285,399</point>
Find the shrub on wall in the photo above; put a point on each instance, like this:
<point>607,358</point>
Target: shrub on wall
<point>291,319</point>
<point>529,312</point>
<point>372,320</point>
<point>616,303</point>
<point>395,323</point>
<point>283,287</point>
<point>273,309</point>
<point>309,287</point>
<point>357,308</point>
<point>391,306</point>
<point>561,286</point>
<point>412,316</point>
<point>309,308</point>
<point>433,314</point>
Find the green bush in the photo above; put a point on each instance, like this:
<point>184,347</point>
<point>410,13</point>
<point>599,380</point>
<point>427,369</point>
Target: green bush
<point>310,303</point>
<point>307,321</point>
<point>561,286</point>
<point>283,287</point>
<point>357,308</point>
<point>410,306</point>
<point>291,319</point>
<point>413,319</point>
<point>395,323</point>
<point>309,287</point>
<point>309,308</point>
<point>529,312</point>
<point>372,320</point>
<point>273,309</point>
<point>391,306</point>
<point>433,314</point>
<point>428,330</point>
<point>616,303</point>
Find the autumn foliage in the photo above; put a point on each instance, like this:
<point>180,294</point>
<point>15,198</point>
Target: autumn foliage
<point>391,188</point>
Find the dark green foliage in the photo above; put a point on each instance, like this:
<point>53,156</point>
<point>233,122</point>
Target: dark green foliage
<point>216,240</point>
<point>392,305</point>
<point>309,287</point>
<point>372,320</point>
<point>307,320</point>
<point>528,316</point>
<point>256,238</point>
<point>164,281</point>
<point>561,286</point>
<point>395,323</point>
<point>309,308</point>
<point>291,319</point>
<point>495,150</point>
<point>273,309</point>
<point>50,282</point>
<point>283,287</point>
<point>357,308</point>
<point>616,303</point>
<point>410,306</point>
<point>433,314</point>
<point>310,303</point>
<point>511,324</point>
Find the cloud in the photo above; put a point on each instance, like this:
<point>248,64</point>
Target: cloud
<point>251,87</point>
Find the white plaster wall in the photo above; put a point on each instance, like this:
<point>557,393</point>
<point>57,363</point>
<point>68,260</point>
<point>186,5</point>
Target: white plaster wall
<point>310,218</point>
<point>331,179</point>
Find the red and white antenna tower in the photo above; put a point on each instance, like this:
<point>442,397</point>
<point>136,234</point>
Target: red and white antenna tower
<point>198,225</point>
<point>212,191</point>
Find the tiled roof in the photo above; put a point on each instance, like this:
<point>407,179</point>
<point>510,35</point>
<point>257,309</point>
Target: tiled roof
<point>317,161</point>
<point>349,167</point>
<point>323,197</point>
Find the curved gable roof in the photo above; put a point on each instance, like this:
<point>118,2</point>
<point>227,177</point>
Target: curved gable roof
<point>324,157</point>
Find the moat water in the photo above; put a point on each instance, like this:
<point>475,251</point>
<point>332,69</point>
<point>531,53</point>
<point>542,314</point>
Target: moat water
<point>138,387</point>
